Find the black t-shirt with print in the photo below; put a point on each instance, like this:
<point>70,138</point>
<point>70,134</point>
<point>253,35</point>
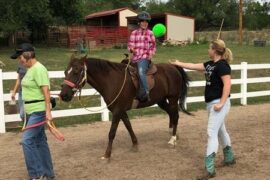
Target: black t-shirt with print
<point>213,73</point>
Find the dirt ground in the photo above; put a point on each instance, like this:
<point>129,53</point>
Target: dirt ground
<point>79,157</point>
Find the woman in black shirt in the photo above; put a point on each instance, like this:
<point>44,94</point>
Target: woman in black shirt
<point>217,96</point>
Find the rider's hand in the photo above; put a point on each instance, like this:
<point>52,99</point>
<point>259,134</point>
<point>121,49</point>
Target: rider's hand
<point>132,50</point>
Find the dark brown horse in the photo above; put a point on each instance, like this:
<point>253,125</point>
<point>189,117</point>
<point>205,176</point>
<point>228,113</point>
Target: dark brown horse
<point>107,78</point>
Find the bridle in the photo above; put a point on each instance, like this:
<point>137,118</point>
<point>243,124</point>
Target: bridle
<point>78,85</point>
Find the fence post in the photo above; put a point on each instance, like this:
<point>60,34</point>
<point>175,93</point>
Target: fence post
<point>244,83</point>
<point>105,112</point>
<point>2,111</point>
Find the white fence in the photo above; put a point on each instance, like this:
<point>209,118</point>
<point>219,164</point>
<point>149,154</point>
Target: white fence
<point>243,94</point>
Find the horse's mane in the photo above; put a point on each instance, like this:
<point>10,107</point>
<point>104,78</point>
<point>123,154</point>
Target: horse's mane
<point>102,64</point>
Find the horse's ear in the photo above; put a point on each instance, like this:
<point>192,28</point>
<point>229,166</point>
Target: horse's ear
<point>126,55</point>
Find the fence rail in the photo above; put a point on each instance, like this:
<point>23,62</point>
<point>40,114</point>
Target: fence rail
<point>243,94</point>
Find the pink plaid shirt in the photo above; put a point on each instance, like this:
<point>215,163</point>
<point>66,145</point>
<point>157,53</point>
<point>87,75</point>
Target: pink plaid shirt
<point>143,43</point>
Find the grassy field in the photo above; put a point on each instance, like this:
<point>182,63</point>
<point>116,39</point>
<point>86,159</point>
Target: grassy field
<point>57,59</point>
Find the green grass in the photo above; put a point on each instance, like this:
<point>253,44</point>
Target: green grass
<point>57,59</point>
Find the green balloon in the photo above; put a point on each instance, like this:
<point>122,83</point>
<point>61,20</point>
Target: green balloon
<point>159,30</point>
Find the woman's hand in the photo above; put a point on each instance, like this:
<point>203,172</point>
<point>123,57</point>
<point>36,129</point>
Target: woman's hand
<point>49,115</point>
<point>174,62</point>
<point>13,94</point>
<point>218,106</point>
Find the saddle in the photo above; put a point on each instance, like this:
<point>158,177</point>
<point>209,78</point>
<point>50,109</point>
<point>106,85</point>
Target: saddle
<point>133,71</point>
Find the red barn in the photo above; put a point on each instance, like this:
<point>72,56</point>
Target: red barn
<point>102,29</point>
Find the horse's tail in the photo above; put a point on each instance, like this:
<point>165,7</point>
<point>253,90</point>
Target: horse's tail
<point>184,88</point>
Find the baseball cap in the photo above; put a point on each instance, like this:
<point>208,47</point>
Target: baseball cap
<point>24,47</point>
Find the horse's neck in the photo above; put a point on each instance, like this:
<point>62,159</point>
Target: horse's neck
<point>102,79</point>
<point>93,79</point>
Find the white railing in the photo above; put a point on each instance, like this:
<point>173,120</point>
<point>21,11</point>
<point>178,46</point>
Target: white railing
<point>243,94</point>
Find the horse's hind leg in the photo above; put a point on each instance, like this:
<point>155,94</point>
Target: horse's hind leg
<point>165,106</point>
<point>127,123</point>
<point>172,109</point>
<point>114,126</point>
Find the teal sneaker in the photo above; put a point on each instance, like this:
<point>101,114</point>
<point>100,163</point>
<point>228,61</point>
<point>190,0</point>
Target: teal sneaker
<point>228,156</point>
<point>210,167</point>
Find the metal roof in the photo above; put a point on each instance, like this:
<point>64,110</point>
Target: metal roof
<point>160,15</point>
<point>105,13</point>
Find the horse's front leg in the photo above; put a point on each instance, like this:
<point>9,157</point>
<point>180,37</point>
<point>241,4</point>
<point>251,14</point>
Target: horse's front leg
<point>127,124</point>
<point>114,125</point>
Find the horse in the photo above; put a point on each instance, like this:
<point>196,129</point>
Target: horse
<point>115,85</point>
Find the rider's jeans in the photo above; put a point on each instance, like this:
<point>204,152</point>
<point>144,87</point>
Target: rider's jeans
<point>143,66</point>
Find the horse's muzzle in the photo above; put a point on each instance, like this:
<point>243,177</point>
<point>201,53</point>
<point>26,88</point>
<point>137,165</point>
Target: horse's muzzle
<point>65,98</point>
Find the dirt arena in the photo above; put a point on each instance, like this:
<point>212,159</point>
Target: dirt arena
<point>78,158</point>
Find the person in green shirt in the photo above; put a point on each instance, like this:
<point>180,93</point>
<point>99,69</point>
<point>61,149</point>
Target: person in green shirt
<point>36,96</point>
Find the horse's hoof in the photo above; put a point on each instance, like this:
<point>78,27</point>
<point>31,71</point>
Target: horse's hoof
<point>172,145</point>
<point>105,158</point>
<point>135,148</point>
<point>172,141</point>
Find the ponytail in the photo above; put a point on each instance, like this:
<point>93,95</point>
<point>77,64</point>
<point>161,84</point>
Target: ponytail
<point>220,48</point>
<point>227,55</point>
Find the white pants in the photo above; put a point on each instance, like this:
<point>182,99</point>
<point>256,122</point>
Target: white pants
<point>216,130</point>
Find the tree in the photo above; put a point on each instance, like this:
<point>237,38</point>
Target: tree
<point>256,15</point>
<point>156,6</point>
<point>20,15</point>
<point>67,12</point>
<point>35,16</point>
<point>208,13</point>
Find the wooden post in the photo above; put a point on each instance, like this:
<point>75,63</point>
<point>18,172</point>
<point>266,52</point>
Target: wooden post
<point>240,22</point>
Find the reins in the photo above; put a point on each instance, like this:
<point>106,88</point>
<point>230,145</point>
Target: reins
<point>117,96</point>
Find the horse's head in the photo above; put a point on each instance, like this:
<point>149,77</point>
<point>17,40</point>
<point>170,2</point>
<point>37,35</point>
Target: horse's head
<point>75,78</point>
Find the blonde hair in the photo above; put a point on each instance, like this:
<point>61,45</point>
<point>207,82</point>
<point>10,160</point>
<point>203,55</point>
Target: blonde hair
<point>221,49</point>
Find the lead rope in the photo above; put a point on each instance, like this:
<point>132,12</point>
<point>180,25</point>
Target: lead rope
<point>121,89</point>
<point>51,126</point>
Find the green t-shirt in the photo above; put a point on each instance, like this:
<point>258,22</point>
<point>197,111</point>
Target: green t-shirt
<point>35,77</point>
